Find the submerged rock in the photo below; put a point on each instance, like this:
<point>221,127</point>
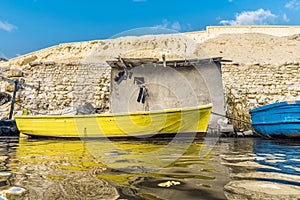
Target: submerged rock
<point>247,189</point>
<point>13,193</point>
<point>268,175</point>
<point>4,176</point>
<point>249,165</point>
<point>80,187</point>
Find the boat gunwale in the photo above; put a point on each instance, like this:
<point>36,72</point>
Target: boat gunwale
<point>275,123</point>
<point>184,109</point>
<point>274,105</point>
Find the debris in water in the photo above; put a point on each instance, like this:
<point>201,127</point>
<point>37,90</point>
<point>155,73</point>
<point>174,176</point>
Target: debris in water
<point>169,184</point>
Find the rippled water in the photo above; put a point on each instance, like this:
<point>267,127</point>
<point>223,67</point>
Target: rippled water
<point>212,168</point>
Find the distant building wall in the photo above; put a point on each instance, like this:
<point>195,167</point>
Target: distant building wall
<point>271,30</point>
<point>214,31</point>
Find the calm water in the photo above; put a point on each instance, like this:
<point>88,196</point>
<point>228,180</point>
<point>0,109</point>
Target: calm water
<point>159,169</point>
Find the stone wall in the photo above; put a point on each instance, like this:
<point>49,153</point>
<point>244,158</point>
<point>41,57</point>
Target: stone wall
<point>266,68</point>
<point>63,86</point>
<point>215,31</point>
<point>251,86</point>
<point>76,73</point>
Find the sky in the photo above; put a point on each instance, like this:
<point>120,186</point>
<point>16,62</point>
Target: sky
<point>31,25</point>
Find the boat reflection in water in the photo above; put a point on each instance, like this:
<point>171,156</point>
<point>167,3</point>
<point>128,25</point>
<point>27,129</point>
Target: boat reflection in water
<point>105,169</point>
<point>283,156</point>
<point>270,171</point>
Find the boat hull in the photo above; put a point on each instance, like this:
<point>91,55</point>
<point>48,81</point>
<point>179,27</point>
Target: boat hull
<point>278,119</point>
<point>183,120</point>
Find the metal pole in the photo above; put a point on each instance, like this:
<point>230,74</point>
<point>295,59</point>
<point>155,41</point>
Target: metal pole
<point>13,99</point>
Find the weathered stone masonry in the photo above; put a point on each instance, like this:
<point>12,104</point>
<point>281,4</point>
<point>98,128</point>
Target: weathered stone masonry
<point>251,86</point>
<point>65,85</point>
<point>62,86</point>
<point>79,73</point>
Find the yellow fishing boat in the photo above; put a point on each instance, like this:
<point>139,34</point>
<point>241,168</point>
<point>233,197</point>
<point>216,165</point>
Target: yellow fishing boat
<point>145,123</point>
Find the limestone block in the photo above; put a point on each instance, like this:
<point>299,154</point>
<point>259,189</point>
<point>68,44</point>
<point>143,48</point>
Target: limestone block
<point>60,88</point>
<point>96,98</point>
<point>50,96</point>
<point>97,104</point>
<point>51,89</point>
<point>69,88</point>
<point>252,96</point>
<point>14,73</point>
<point>105,89</point>
<point>60,97</point>
<point>102,96</point>
<point>51,107</point>
<point>26,60</point>
<point>253,101</point>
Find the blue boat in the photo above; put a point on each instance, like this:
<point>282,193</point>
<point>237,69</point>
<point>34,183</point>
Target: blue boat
<point>278,119</point>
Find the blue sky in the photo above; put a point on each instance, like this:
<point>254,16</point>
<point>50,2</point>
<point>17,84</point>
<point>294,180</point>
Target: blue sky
<point>30,25</point>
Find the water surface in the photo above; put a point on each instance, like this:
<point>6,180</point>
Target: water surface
<point>212,168</point>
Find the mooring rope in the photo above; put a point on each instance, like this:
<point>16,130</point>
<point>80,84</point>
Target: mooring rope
<point>231,118</point>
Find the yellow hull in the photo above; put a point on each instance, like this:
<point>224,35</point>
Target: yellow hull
<point>183,120</point>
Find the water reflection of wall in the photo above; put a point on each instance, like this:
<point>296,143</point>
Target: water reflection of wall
<point>7,152</point>
<point>240,145</point>
<point>65,169</point>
